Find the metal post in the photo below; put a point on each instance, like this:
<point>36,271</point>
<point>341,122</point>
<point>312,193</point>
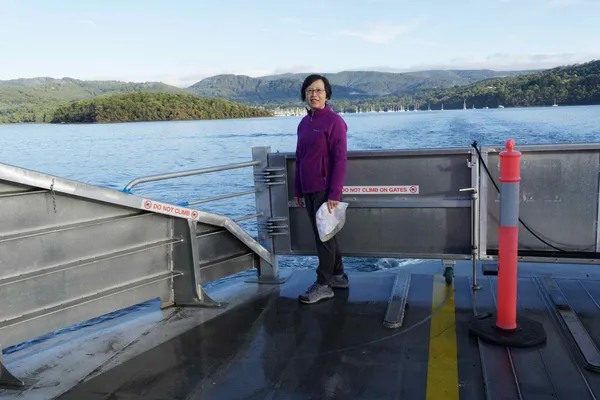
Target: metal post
<point>504,331</point>
<point>475,236</point>
<point>475,216</point>
<point>474,165</point>
<point>268,272</point>
<point>187,290</point>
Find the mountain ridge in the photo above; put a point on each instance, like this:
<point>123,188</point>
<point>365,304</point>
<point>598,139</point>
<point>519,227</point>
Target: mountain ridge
<point>368,83</point>
<point>36,99</point>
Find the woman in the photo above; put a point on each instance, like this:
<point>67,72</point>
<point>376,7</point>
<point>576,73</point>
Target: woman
<point>321,154</point>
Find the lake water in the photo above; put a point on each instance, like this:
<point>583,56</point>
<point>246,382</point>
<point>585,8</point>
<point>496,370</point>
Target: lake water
<point>111,155</point>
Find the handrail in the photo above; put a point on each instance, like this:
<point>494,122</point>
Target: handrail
<point>248,217</point>
<point>153,178</point>
<point>226,196</point>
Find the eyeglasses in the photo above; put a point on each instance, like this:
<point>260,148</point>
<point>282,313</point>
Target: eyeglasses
<point>317,91</point>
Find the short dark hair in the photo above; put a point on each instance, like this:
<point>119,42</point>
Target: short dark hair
<point>309,81</point>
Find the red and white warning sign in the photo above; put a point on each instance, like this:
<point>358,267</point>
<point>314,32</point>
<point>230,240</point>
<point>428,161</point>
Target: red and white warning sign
<point>169,209</point>
<point>406,189</point>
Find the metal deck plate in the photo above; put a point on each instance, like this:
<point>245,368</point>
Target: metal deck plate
<point>276,348</point>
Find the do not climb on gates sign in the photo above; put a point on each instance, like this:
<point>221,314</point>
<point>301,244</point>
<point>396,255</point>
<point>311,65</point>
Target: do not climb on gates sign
<point>406,189</point>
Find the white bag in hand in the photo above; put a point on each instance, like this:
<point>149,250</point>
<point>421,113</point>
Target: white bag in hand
<point>328,224</point>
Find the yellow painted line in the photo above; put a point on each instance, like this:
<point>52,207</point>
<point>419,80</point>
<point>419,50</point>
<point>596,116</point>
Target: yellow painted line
<point>442,368</point>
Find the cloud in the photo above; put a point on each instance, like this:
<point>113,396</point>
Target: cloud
<point>382,33</point>
<point>87,22</point>
<point>425,43</point>
<point>497,61</point>
<point>290,20</point>
<point>508,62</point>
<point>504,61</point>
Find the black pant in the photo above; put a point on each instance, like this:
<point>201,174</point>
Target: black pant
<point>330,259</point>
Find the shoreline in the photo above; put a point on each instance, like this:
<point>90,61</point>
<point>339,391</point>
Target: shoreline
<point>284,116</point>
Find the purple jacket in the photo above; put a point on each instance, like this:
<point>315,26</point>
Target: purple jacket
<point>321,154</point>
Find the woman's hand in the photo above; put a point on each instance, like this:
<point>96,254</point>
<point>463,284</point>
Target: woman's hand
<point>331,204</point>
<point>299,201</point>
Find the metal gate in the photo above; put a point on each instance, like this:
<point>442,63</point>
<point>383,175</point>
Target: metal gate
<point>559,204</point>
<point>402,203</point>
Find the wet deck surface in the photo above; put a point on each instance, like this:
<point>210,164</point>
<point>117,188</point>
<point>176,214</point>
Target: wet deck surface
<point>276,348</point>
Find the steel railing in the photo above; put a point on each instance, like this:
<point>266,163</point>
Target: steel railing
<point>227,167</point>
<point>160,177</point>
<point>226,196</point>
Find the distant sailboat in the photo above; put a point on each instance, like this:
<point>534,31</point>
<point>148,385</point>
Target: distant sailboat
<point>554,105</point>
<point>465,104</point>
<point>442,106</point>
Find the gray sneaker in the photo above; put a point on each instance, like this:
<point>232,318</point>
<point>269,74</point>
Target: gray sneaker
<point>316,293</point>
<point>339,281</point>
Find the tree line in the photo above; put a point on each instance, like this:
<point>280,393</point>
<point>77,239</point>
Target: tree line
<point>137,107</point>
<point>572,85</point>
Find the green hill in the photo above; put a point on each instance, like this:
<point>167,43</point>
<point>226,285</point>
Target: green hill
<point>569,85</point>
<point>253,90</point>
<point>28,100</point>
<point>136,107</point>
<point>347,84</point>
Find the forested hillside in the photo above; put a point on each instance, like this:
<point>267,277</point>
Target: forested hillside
<point>251,90</point>
<point>348,84</point>
<point>28,100</point>
<point>136,107</point>
<point>570,85</point>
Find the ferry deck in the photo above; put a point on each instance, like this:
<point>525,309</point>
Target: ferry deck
<point>402,333</point>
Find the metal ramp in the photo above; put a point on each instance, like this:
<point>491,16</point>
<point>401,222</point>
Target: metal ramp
<point>70,252</point>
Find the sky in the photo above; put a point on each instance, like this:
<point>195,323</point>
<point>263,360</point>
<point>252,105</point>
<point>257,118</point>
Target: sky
<point>180,42</point>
